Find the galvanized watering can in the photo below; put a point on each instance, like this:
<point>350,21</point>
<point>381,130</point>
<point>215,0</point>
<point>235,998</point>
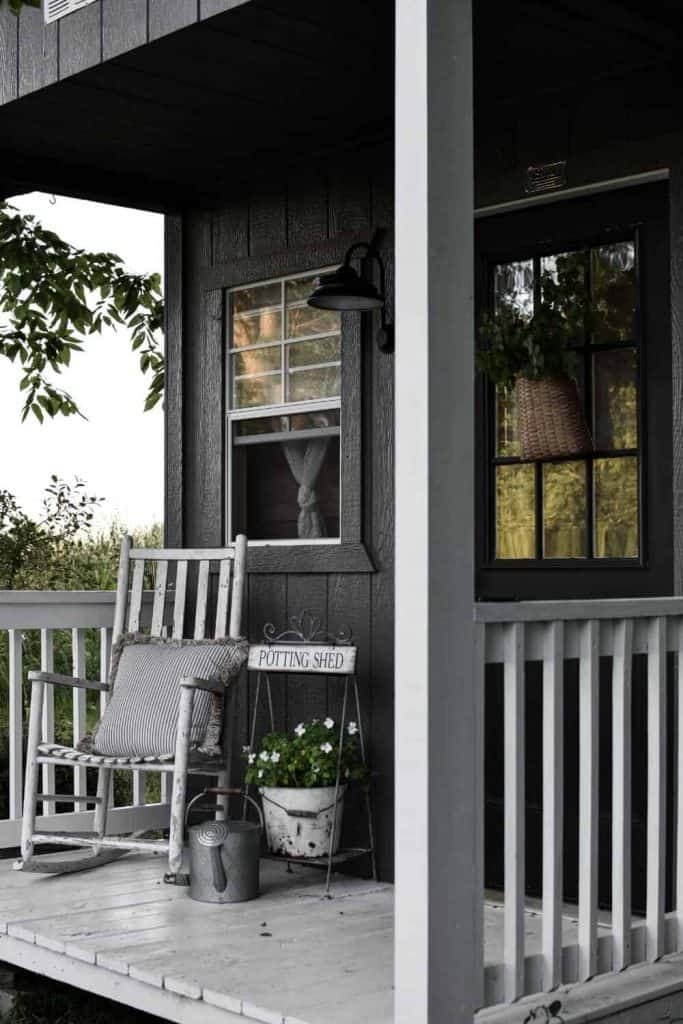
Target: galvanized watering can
<point>224,855</point>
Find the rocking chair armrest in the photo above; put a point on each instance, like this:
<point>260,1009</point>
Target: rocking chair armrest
<point>60,680</point>
<point>195,683</point>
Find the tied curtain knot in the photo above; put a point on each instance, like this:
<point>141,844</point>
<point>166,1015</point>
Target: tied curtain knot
<point>305,460</point>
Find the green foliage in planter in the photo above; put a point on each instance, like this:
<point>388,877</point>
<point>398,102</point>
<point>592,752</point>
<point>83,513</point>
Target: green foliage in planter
<point>308,758</point>
<point>538,346</point>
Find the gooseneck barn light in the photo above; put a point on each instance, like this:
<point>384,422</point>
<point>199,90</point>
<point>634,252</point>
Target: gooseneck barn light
<point>344,290</point>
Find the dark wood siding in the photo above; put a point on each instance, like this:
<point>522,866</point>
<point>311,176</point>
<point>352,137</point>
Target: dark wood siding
<point>283,222</point>
<point>32,56</point>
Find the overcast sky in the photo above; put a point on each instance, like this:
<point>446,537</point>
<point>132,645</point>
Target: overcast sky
<point>118,450</point>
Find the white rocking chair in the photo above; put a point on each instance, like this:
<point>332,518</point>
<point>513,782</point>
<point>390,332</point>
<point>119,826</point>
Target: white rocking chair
<point>127,615</point>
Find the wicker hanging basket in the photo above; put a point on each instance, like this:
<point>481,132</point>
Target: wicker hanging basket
<point>551,420</point>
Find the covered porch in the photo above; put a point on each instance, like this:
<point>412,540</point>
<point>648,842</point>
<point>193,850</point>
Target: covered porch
<point>275,136</point>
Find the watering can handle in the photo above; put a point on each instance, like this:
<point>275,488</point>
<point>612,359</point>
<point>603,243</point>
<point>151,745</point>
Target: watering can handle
<point>224,791</point>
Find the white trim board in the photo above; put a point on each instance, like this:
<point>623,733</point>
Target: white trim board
<point>592,188</point>
<point>110,985</point>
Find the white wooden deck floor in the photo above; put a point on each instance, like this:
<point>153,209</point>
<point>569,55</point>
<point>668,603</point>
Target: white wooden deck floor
<point>289,957</point>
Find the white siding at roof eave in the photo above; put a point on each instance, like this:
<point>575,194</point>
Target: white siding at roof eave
<point>34,55</point>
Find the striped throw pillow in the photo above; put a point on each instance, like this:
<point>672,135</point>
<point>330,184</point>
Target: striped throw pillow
<point>141,718</point>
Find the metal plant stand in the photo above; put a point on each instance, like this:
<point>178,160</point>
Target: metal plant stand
<point>306,648</point>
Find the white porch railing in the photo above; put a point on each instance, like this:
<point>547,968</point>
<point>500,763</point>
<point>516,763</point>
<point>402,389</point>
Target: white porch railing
<point>26,616</point>
<point>551,633</point>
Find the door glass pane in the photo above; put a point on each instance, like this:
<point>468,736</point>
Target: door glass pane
<point>514,286</point>
<point>616,399</point>
<point>616,507</point>
<point>507,436</point>
<point>564,510</point>
<point>257,360</point>
<point>515,512</point>
<point>563,285</point>
<point>613,282</point>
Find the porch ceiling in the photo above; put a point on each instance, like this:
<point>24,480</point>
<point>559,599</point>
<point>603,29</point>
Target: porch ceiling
<point>181,119</point>
<point>184,119</point>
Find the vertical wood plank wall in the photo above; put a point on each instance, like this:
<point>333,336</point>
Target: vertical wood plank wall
<point>351,192</point>
<point>33,55</point>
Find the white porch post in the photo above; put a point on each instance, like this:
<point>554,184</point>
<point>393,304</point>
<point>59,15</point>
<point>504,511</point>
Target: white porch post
<point>439,801</point>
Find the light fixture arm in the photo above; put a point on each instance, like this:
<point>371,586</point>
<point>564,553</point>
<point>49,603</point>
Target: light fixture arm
<point>385,335</point>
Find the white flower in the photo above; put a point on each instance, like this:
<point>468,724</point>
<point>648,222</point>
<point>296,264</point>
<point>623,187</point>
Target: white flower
<point>352,728</point>
<point>251,758</point>
<point>300,729</point>
<point>245,750</point>
<point>326,747</point>
<point>264,755</point>
<point>275,757</point>
<point>260,773</point>
<point>316,769</point>
<point>328,723</point>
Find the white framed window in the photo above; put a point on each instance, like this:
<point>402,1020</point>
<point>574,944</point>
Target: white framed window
<point>284,418</point>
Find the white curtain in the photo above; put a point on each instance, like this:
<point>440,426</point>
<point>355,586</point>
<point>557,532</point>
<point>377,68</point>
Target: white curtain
<point>305,460</point>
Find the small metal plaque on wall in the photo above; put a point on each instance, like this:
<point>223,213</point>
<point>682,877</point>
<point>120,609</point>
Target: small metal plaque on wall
<point>320,658</point>
<point>546,177</point>
<point>53,10</point>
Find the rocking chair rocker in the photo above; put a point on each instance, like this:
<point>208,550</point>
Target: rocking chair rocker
<point>127,615</point>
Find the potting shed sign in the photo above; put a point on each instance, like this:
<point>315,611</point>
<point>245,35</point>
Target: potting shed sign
<point>326,659</point>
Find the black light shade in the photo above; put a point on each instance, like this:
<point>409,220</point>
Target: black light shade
<point>345,290</point>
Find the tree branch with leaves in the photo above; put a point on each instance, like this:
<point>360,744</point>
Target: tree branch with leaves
<point>54,295</point>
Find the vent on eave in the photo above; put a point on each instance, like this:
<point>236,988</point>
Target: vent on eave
<point>55,9</point>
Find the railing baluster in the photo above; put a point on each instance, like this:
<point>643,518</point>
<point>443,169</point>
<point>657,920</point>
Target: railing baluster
<point>679,784</point>
<point>588,799</point>
<point>47,662</point>
<point>622,666</point>
<point>16,758</point>
<point>553,754</point>
<point>656,787</point>
<point>514,811</point>
<point>79,711</point>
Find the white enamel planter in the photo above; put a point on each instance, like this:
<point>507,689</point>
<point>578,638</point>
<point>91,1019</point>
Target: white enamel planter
<point>299,822</point>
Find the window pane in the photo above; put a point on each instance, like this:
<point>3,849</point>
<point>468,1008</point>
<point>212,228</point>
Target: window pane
<point>616,399</point>
<point>251,391</point>
<point>324,382</point>
<point>257,360</point>
<point>256,328</point>
<point>515,512</point>
<point>307,353</point>
<point>299,289</point>
<point>286,490</point>
<point>514,286</point>
<point>278,424</point>
<point>616,507</point>
<point>304,320</point>
<point>260,297</point>
<point>564,510</point>
<point>507,437</point>
<point>614,291</point>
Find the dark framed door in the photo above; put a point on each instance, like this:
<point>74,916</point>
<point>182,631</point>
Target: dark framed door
<point>596,526</point>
